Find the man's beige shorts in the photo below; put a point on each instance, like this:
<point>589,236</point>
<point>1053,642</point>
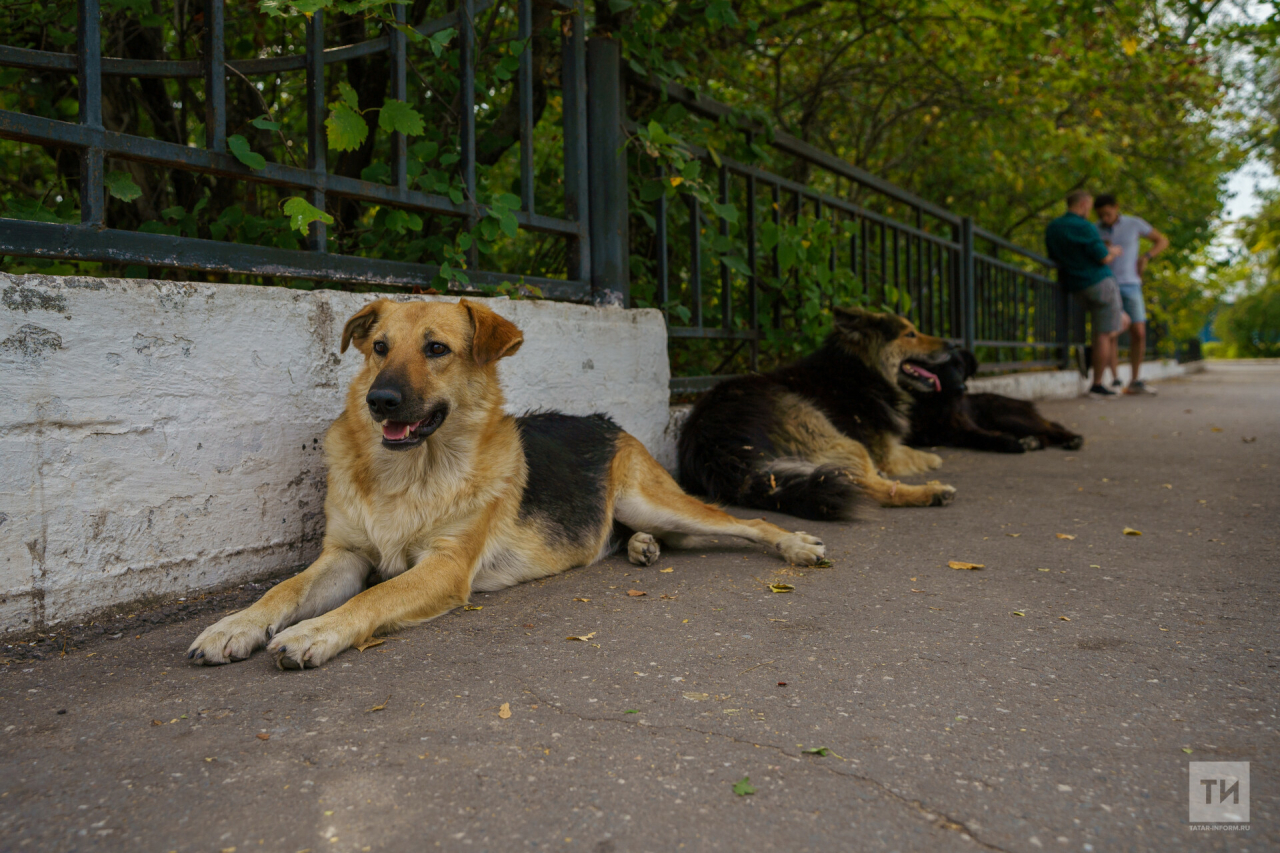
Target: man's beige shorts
<point>1103,301</point>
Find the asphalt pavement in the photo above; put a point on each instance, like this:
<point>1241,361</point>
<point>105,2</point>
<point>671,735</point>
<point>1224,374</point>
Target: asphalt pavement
<point>1051,700</point>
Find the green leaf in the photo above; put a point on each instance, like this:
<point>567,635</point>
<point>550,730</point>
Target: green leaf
<point>440,40</point>
<point>725,211</point>
<point>121,185</point>
<point>817,750</point>
<point>346,129</point>
<point>736,264</point>
<point>508,223</point>
<point>508,200</point>
<point>377,172</point>
<point>653,189</point>
<point>239,146</point>
<point>399,116</point>
<point>743,787</point>
<point>659,136</point>
<point>280,8</point>
<point>301,214</point>
<point>264,123</point>
<point>631,711</point>
<point>348,96</point>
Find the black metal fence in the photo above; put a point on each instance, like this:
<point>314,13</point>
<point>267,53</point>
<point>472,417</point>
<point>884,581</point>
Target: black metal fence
<point>91,240</point>
<point>952,278</point>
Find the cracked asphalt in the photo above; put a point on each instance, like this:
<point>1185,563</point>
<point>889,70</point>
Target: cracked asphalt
<point>1049,701</point>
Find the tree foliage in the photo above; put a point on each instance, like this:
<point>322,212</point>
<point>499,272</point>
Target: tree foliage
<point>995,109</point>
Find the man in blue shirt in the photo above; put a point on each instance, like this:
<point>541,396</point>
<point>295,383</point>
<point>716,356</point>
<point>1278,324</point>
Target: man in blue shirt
<point>1082,257</point>
<point>1124,230</point>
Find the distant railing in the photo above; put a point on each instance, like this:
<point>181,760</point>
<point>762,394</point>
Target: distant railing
<point>948,276</point>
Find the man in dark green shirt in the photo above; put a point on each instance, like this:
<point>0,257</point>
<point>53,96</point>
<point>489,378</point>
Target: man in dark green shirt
<point>1082,257</point>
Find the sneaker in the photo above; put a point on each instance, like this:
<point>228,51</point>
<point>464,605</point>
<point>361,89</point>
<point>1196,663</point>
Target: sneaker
<point>1139,387</point>
<point>1101,391</point>
<point>1116,383</point>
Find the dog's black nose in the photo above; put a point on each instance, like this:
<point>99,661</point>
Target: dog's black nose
<point>383,401</point>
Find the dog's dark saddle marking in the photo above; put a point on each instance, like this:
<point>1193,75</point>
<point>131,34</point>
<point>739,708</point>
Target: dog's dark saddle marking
<point>568,458</point>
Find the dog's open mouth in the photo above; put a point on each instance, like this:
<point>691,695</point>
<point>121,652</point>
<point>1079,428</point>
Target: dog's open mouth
<point>398,435</point>
<point>917,378</point>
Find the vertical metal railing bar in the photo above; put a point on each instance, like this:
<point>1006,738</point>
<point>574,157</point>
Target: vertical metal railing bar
<point>574,126</point>
<point>400,92</point>
<point>89,69</point>
<point>525,82</point>
<point>467,132</point>
<point>884,260</point>
<point>776,197</point>
<point>897,283</point>
<point>660,232</point>
<point>855,226</point>
<point>753,279</point>
<point>968,287</point>
<point>215,77</point>
<point>726,277</point>
<point>316,141</point>
<point>695,256</point>
<point>865,276</point>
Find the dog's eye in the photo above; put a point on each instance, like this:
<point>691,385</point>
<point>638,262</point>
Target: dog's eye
<point>910,334</point>
<point>380,347</point>
<point>437,349</point>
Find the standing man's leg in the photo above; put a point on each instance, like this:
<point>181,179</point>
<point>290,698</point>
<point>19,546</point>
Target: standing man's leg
<point>1103,302</point>
<point>1135,307</point>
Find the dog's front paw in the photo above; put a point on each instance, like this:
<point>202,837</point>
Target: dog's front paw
<point>942,495</point>
<point>801,549</point>
<point>1031,442</point>
<point>1074,443</point>
<point>931,460</point>
<point>643,549</point>
<point>307,644</point>
<point>231,638</point>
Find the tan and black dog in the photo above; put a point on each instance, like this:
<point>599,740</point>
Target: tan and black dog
<point>434,492</point>
<point>809,438</point>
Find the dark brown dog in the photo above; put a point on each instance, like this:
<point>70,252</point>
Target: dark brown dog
<point>952,417</point>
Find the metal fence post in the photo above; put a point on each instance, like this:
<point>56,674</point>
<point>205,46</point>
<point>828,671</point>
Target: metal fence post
<point>215,77</point>
<point>607,175</point>
<point>317,141</point>
<point>1064,328</point>
<point>93,200</point>
<point>966,282</point>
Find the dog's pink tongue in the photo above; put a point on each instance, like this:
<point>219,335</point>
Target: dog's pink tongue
<point>921,372</point>
<point>396,431</point>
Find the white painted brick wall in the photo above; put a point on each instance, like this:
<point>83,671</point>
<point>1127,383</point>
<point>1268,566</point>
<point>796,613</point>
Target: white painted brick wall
<point>158,437</point>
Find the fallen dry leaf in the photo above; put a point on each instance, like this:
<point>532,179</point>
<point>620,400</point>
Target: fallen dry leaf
<point>1064,618</point>
<point>584,638</point>
<point>696,697</point>
<point>582,599</point>
<point>1129,531</point>
<point>961,564</point>
<point>917,590</point>
<point>669,597</point>
<point>379,707</point>
<point>1249,440</point>
<point>263,736</point>
<point>1018,613</point>
<point>781,587</point>
<point>1066,536</point>
<point>636,593</point>
<point>474,607</point>
<point>1215,429</point>
<point>1167,486</point>
<point>157,722</point>
<point>505,711</point>
<point>1014,535</point>
<point>665,571</point>
<point>368,644</point>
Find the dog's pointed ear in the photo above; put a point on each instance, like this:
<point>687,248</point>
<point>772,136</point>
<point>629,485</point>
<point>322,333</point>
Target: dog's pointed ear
<point>357,328</point>
<point>851,322</point>
<point>970,363</point>
<point>856,323</point>
<point>493,336</point>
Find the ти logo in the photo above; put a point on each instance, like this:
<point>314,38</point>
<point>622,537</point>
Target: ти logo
<point>1219,792</point>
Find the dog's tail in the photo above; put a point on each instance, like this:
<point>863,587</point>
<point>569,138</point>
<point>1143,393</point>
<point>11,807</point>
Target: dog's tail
<point>803,489</point>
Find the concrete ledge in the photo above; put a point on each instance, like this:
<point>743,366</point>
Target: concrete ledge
<point>159,437</point>
<point>1066,384</point>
